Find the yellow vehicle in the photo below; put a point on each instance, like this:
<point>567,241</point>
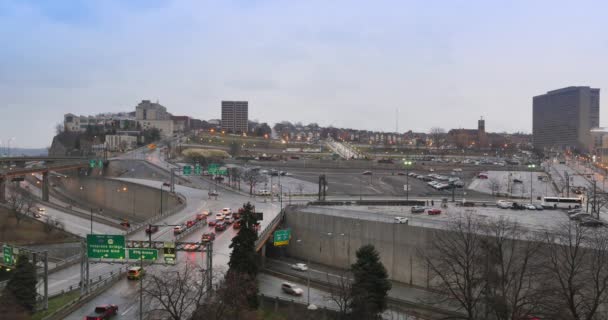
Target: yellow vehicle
<point>135,273</point>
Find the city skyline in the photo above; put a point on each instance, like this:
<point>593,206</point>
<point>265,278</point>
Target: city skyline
<point>341,64</point>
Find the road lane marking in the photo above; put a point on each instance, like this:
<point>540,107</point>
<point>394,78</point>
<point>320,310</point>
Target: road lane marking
<point>127,311</point>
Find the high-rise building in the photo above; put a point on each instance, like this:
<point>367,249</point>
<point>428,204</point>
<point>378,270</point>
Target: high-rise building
<point>563,118</point>
<point>235,116</point>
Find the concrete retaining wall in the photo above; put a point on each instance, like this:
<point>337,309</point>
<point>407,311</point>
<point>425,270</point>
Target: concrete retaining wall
<point>127,200</point>
<point>334,240</point>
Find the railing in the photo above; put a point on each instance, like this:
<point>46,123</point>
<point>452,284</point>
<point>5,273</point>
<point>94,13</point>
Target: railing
<point>94,283</point>
<point>268,230</point>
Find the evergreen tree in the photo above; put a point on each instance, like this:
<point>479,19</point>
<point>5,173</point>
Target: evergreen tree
<point>371,284</point>
<point>22,284</point>
<point>243,262</point>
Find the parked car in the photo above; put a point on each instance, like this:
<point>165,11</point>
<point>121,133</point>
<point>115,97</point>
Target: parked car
<point>590,222</point>
<point>504,204</point>
<point>291,289</point>
<point>264,193</point>
<point>220,226</point>
<point>418,209</point>
<point>517,181</point>
<point>433,212</point>
<point>574,211</point>
<point>151,229</point>
<point>135,273</point>
<point>579,216</point>
<point>105,311</point>
<point>402,220</point>
<point>208,237</point>
<point>400,173</point>
<point>539,207</point>
<point>367,173</point>
<point>299,266</point>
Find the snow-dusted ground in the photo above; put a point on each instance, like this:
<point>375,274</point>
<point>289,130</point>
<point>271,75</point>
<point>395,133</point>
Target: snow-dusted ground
<point>504,181</point>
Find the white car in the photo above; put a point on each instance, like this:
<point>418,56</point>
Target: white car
<point>263,193</point>
<point>226,211</point>
<point>504,204</point>
<point>401,220</point>
<point>291,288</point>
<point>299,266</point>
<point>41,209</point>
<point>530,206</point>
<point>219,216</point>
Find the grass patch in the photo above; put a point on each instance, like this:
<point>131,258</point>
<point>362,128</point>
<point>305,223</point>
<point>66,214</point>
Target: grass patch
<point>29,231</point>
<point>55,303</point>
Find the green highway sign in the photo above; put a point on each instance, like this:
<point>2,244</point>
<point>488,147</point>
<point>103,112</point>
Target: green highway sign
<point>8,255</point>
<point>96,163</point>
<point>187,170</point>
<point>197,169</point>
<point>144,254</point>
<point>100,163</point>
<point>92,163</point>
<point>281,237</point>
<point>105,246</point>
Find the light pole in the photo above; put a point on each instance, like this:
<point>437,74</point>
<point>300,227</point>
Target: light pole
<point>299,241</point>
<point>407,164</point>
<point>531,167</point>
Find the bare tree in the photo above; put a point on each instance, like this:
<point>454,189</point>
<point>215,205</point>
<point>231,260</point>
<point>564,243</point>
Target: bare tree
<point>576,271</point>
<point>512,271</point>
<point>229,300</point>
<point>494,185</point>
<point>437,135</point>
<point>59,128</point>
<point>340,292</point>
<point>252,178</point>
<point>20,204</point>
<point>175,294</point>
<point>456,262</point>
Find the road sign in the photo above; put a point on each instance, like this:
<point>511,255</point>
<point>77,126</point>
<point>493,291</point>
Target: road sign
<point>105,246</point>
<point>8,255</point>
<point>92,163</point>
<point>281,237</point>
<point>197,169</point>
<point>169,252</point>
<point>100,163</point>
<point>187,170</point>
<point>406,187</point>
<point>145,254</point>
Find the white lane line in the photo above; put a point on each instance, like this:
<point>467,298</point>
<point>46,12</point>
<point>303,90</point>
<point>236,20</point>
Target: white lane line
<point>127,311</point>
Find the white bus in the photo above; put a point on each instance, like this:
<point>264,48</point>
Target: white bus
<point>562,203</point>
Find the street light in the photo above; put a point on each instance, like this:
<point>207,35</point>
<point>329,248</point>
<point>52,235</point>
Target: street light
<point>531,167</point>
<point>407,164</point>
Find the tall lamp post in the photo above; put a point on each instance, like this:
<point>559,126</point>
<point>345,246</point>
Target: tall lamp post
<point>407,164</point>
<point>531,167</point>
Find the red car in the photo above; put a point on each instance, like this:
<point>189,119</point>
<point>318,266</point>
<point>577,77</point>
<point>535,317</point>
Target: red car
<point>208,237</point>
<point>237,224</point>
<point>200,217</point>
<point>433,212</point>
<point>189,224</point>
<point>102,312</point>
<point>212,222</point>
<point>220,226</point>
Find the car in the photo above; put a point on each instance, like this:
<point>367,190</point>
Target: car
<point>37,215</point>
<point>151,229</point>
<point>201,217</point>
<point>206,237</point>
<point>504,204</point>
<point>178,229</point>
<point>226,211</point>
<point>539,207</point>
<point>125,223</point>
<point>402,220</point>
<point>190,223</point>
<point>530,206</point>
<point>219,216</point>
<point>237,224</point>
<point>299,266</point>
<point>574,211</point>
<point>104,311</point>
<point>418,209</point>
<point>400,173</point>
<point>220,226</point>
<point>264,193</point>
<point>367,173</point>
<point>229,220</point>
<point>192,247</point>
<point>590,222</point>
<point>433,212</point>
<point>41,209</point>
<point>282,173</point>
<point>517,181</point>
<point>291,289</point>
<point>205,213</point>
<point>212,222</point>
<point>213,193</point>
<point>135,273</point>
<point>579,216</point>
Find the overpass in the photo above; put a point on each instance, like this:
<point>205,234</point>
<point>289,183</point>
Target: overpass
<point>41,158</point>
<point>44,170</point>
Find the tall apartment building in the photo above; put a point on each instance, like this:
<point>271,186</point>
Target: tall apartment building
<point>235,116</point>
<point>563,118</point>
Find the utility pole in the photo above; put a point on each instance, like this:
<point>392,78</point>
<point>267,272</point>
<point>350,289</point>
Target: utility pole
<point>210,267</point>
<point>91,220</point>
<point>141,288</point>
<point>46,280</point>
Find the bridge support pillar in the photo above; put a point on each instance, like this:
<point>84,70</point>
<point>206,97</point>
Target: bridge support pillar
<point>2,189</point>
<point>263,253</point>
<point>45,186</point>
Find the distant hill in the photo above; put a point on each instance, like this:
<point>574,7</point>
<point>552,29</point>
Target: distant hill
<point>15,152</point>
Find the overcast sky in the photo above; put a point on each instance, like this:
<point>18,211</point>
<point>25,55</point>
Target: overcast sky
<point>345,63</point>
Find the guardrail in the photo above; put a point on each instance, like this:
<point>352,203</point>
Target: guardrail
<point>263,237</point>
<point>94,283</point>
<point>197,225</point>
